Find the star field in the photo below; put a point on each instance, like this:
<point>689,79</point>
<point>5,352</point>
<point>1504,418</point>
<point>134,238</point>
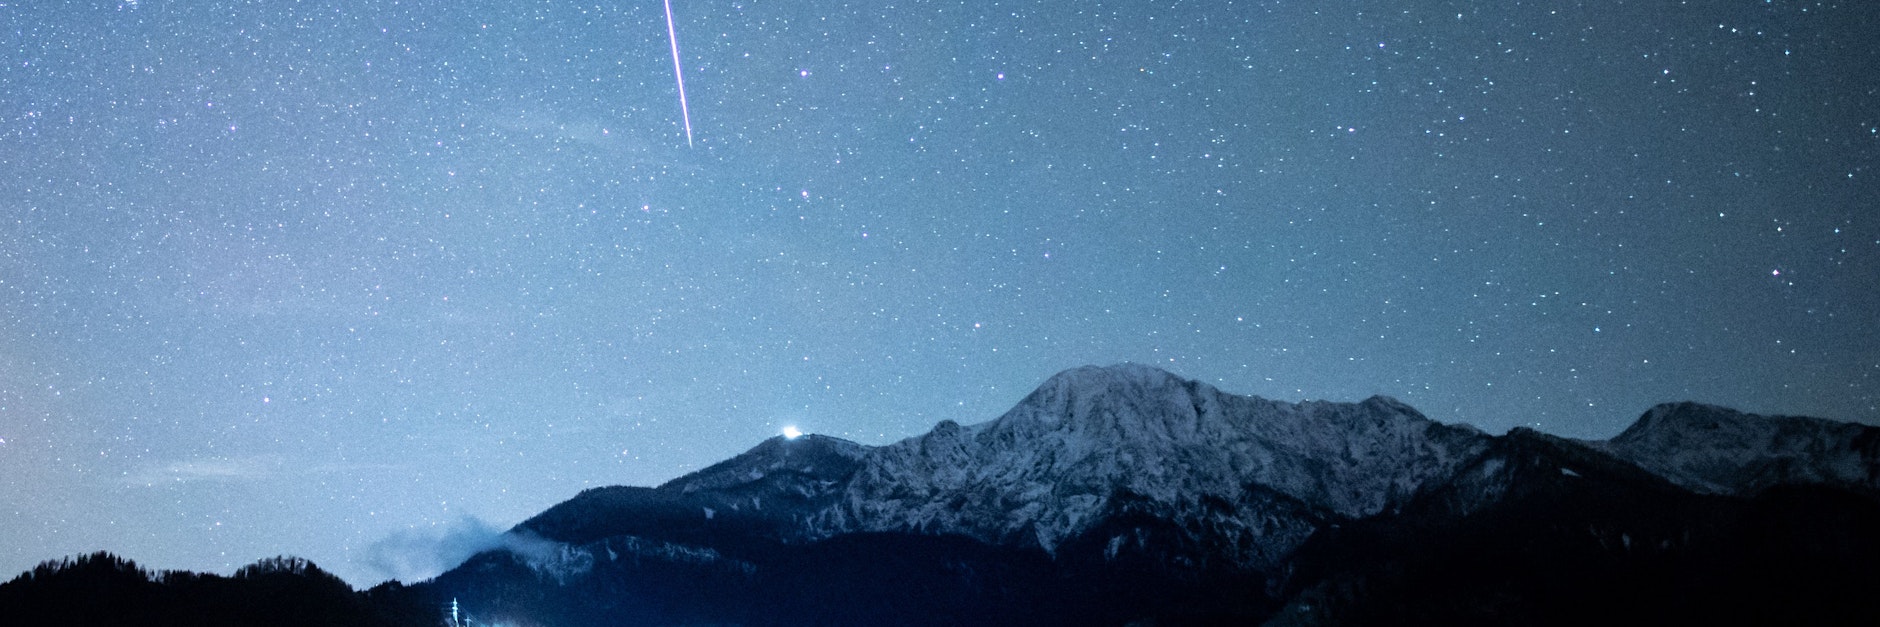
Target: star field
<point>289,277</point>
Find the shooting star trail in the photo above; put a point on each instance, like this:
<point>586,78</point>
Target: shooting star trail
<point>678,75</point>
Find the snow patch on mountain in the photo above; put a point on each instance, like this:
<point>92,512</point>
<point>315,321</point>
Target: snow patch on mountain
<point>637,550</point>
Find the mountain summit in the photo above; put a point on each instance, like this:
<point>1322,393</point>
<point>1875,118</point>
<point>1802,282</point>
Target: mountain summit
<point>1092,444</point>
<point>1719,450</point>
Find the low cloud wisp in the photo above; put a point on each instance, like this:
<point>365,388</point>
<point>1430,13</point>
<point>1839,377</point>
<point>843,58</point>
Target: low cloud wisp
<point>416,555</point>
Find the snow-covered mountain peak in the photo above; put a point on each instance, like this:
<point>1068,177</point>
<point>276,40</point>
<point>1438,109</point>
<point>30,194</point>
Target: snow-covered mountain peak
<point>1391,405</point>
<point>1724,451</point>
<point>1121,405</point>
<point>1091,438</point>
<point>1672,422</point>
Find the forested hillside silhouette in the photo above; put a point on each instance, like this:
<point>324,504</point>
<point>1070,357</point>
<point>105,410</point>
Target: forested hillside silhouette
<point>104,589</point>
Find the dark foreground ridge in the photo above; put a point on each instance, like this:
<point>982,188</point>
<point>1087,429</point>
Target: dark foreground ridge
<point>1127,495</point>
<point>106,590</point>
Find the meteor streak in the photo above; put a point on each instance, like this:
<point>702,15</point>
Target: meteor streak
<point>678,75</point>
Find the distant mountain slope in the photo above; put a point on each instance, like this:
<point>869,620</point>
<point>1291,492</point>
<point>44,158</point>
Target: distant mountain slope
<point>1548,531</point>
<point>1718,450</point>
<point>767,494</point>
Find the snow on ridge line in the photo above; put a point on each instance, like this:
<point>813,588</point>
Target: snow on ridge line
<point>1049,466</point>
<point>1719,450</point>
<point>1246,475</point>
<point>809,453</point>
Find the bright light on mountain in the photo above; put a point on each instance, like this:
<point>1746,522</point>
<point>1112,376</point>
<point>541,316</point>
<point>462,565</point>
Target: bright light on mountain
<point>791,432</point>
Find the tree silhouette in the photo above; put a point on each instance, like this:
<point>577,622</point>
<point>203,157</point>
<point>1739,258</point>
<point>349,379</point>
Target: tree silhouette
<point>104,589</point>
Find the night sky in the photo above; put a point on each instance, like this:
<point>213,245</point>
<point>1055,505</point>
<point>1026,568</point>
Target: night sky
<point>320,277</point>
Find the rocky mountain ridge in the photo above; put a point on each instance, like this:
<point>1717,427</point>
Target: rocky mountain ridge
<point>1233,471</point>
<point>1091,438</point>
<point>1718,450</point>
<point>1147,487</point>
<point>1242,471</point>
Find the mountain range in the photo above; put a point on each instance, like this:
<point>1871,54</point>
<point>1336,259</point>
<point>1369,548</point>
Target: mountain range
<point>1129,495</point>
<point>1126,493</point>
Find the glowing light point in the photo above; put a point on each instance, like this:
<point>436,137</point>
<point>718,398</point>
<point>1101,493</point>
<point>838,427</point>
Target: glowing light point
<point>791,432</point>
